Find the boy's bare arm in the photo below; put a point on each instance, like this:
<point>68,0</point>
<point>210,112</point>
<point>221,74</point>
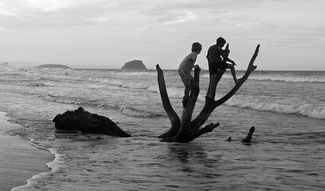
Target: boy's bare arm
<point>225,54</point>
<point>231,61</point>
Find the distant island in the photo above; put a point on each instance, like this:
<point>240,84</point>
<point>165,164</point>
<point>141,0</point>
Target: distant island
<point>53,66</point>
<point>134,65</point>
<point>4,64</point>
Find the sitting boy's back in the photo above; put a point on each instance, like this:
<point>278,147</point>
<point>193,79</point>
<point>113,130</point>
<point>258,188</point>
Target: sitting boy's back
<point>189,61</point>
<point>185,69</point>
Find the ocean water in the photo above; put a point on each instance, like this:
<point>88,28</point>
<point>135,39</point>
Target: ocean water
<point>287,151</point>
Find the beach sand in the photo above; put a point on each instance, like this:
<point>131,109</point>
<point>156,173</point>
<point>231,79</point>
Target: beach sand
<point>19,160</point>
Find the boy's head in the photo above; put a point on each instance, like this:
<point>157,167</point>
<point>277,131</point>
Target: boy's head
<point>221,41</point>
<point>196,47</point>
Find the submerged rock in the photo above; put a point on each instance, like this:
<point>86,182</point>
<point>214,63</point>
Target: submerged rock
<point>87,122</point>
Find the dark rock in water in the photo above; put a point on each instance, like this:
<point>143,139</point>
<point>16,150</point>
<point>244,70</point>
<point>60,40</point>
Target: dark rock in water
<point>134,65</point>
<point>87,122</point>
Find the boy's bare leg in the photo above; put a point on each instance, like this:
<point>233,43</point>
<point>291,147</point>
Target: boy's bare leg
<point>215,78</point>
<point>233,73</point>
<point>212,87</point>
<point>208,92</point>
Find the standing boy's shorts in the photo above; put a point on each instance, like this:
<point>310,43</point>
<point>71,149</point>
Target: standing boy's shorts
<point>215,66</point>
<point>185,76</point>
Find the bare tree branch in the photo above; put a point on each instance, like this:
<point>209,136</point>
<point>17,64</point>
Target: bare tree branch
<point>184,130</point>
<point>175,121</point>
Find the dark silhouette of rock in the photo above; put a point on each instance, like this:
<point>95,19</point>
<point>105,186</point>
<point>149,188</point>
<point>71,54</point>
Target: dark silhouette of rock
<point>87,122</point>
<point>53,66</point>
<point>134,65</point>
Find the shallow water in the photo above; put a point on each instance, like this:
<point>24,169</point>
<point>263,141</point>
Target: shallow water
<point>287,152</point>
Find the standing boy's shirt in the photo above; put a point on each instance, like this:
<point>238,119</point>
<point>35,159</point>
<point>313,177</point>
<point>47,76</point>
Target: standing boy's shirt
<point>214,54</point>
<point>189,61</point>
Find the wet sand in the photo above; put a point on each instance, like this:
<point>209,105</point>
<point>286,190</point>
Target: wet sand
<point>19,160</point>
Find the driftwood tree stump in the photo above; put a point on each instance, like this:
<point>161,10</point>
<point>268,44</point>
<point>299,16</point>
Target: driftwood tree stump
<point>86,122</point>
<point>184,129</point>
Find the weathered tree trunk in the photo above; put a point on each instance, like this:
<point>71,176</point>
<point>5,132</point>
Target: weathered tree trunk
<point>185,129</point>
<point>249,135</point>
<point>86,122</point>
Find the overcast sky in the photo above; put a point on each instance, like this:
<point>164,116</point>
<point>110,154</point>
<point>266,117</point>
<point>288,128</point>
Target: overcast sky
<point>111,32</point>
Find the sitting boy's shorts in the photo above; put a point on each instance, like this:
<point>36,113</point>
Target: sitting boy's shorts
<point>185,76</point>
<point>215,66</point>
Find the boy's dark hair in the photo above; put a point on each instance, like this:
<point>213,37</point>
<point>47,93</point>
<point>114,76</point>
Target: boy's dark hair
<point>196,47</point>
<point>221,41</point>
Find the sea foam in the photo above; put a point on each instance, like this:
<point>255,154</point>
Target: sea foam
<point>310,110</point>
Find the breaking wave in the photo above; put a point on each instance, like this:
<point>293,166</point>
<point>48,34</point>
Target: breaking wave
<point>309,110</point>
<point>137,113</point>
<point>96,103</point>
<point>137,73</point>
<point>288,79</point>
<point>319,78</point>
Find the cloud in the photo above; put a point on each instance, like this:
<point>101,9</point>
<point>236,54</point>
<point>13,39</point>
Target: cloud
<point>39,14</point>
<point>7,11</point>
<point>189,16</point>
<point>50,5</point>
<point>171,29</point>
<point>140,30</point>
<point>102,19</point>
